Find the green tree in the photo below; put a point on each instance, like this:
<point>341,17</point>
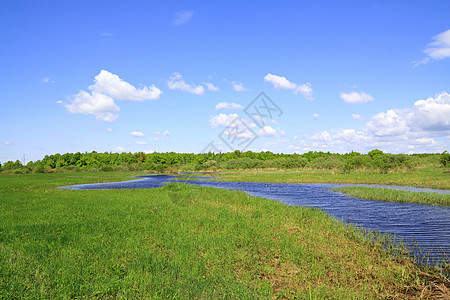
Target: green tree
<point>445,158</point>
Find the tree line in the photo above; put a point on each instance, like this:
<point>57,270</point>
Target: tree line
<point>175,162</point>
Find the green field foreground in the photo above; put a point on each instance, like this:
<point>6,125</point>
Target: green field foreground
<point>184,241</point>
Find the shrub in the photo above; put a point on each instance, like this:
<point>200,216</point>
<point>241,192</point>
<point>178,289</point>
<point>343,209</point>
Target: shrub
<point>242,163</point>
<point>106,168</point>
<point>209,164</point>
<point>326,163</point>
<point>445,158</point>
<point>289,162</point>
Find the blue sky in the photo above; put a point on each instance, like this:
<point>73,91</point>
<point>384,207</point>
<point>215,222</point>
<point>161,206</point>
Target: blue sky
<point>174,76</point>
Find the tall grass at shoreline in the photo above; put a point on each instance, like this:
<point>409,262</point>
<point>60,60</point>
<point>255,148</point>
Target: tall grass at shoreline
<point>183,241</point>
<point>431,177</point>
<point>391,195</point>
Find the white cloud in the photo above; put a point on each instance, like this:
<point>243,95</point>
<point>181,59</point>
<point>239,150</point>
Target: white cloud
<point>439,48</point>
<point>176,82</point>
<point>397,130</point>
<point>279,82</point>
<point>137,134</point>
<point>228,105</point>
<point>222,120</point>
<point>357,117</point>
<point>316,116</point>
<point>141,143</point>
<point>211,87</point>
<point>47,80</point>
<point>107,34</point>
<point>109,129</point>
<point>433,113</point>
<point>98,104</point>
<point>156,139</point>
<point>119,149</point>
<point>238,87</point>
<point>305,90</point>
<point>356,98</point>
<point>268,131</point>
<point>114,86</point>
<point>7,143</point>
<point>182,17</point>
<point>148,151</point>
<point>100,100</point>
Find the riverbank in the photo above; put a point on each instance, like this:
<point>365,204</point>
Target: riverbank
<point>431,177</point>
<point>390,195</point>
<point>185,242</point>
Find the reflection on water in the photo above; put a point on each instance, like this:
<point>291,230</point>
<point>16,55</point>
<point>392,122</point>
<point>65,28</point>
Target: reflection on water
<point>426,225</point>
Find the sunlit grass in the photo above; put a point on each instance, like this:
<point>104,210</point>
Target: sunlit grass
<point>181,242</point>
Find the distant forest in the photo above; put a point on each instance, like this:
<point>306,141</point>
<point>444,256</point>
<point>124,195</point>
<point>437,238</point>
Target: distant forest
<point>175,162</point>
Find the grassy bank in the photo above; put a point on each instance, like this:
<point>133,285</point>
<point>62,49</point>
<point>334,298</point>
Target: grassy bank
<point>381,194</point>
<point>184,241</point>
<point>432,177</point>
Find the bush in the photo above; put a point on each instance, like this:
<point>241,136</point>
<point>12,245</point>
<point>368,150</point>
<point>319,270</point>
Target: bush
<point>326,163</point>
<point>106,168</point>
<point>210,164</point>
<point>445,158</point>
<point>191,167</point>
<point>383,162</point>
<point>242,163</point>
<point>289,162</point>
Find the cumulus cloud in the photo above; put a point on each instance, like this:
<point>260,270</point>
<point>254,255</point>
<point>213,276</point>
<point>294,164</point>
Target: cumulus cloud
<point>222,120</point>
<point>112,85</point>
<point>305,90</point>
<point>182,17</point>
<point>228,105</point>
<point>432,113</point>
<point>398,130</point>
<point>438,49</point>
<point>211,87</point>
<point>109,129</point>
<point>315,116</point>
<point>47,80</point>
<point>356,98</point>
<point>141,143</point>
<point>176,82</point>
<point>281,82</point>
<point>238,87</point>
<point>268,131</point>
<point>98,104</point>
<point>100,101</point>
<point>7,143</point>
<point>137,134</point>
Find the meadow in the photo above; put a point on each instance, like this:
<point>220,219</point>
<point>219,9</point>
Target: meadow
<point>183,241</point>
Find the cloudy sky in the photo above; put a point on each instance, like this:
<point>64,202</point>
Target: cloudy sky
<point>184,76</point>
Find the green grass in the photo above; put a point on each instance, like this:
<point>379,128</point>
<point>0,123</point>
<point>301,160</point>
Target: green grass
<point>184,241</point>
<point>432,177</point>
<point>382,194</point>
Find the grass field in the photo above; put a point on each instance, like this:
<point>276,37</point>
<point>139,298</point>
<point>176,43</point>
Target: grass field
<point>184,241</point>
